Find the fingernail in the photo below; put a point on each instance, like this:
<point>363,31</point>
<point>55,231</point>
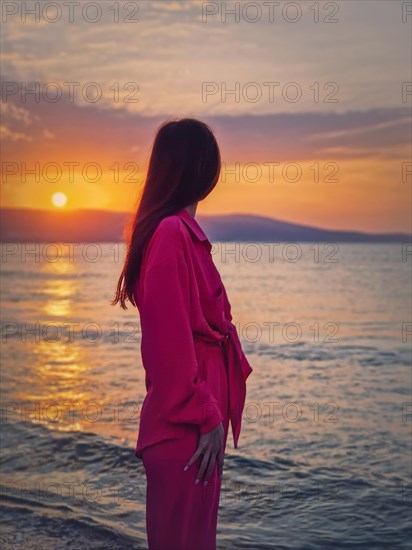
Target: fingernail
<point>185,468</point>
<point>205,483</point>
<point>197,481</point>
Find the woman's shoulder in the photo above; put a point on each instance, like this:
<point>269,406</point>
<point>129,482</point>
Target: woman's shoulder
<point>170,230</point>
<point>168,240</point>
<point>172,222</point>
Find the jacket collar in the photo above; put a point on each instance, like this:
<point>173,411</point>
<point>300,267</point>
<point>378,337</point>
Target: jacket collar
<point>195,228</point>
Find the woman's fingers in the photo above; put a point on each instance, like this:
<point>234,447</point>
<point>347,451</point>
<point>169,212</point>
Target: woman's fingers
<point>211,447</point>
<point>210,467</point>
<point>207,457</point>
<point>194,457</point>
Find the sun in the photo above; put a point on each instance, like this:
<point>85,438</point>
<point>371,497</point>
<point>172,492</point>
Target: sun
<point>59,199</point>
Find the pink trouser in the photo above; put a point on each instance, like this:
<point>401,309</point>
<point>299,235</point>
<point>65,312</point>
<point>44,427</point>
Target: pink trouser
<point>179,514</point>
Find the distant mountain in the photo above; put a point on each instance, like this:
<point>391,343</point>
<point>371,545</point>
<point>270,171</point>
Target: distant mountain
<point>27,225</point>
<point>245,227</point>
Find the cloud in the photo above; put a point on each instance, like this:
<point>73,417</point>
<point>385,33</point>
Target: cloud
<point>10,110</point>
<point>173,6</point>
<point>48,135</point>
<point>80,130</point>
<point>170,52</point>
<point>8,135</point>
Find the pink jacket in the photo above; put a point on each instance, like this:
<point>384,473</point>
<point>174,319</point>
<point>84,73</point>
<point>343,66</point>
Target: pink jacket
<point>181,298</point>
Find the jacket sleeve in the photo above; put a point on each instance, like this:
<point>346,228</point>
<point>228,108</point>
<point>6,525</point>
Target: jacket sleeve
<point>167,344</point>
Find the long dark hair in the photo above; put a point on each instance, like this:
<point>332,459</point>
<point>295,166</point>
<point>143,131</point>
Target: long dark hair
<point>184,167</point>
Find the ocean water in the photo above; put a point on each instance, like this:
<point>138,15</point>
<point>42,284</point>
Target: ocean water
<point>324,456</point>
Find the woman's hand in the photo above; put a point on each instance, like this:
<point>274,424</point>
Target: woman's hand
<point>211,447</point>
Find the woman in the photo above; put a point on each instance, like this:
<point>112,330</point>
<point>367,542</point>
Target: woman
<point>195,369</point>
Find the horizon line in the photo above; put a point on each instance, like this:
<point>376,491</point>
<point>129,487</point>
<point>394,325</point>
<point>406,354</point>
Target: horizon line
<point>264,217</point>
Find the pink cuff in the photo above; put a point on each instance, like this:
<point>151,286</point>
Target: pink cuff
<point>211,417</point>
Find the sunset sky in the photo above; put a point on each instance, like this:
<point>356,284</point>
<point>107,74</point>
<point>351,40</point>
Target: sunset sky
<point>318,131</point>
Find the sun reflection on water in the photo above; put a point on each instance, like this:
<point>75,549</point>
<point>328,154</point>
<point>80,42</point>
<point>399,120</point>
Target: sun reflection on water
<point>60,364</point>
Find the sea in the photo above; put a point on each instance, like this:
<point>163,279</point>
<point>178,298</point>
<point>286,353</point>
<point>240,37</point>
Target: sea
<point>324,456</point>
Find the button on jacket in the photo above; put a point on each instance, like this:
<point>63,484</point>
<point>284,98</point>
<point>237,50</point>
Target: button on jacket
<point>181,299</point>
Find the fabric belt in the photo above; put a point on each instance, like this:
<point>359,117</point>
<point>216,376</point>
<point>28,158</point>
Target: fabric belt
<point>237,374</point>
<point>221,342</point>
